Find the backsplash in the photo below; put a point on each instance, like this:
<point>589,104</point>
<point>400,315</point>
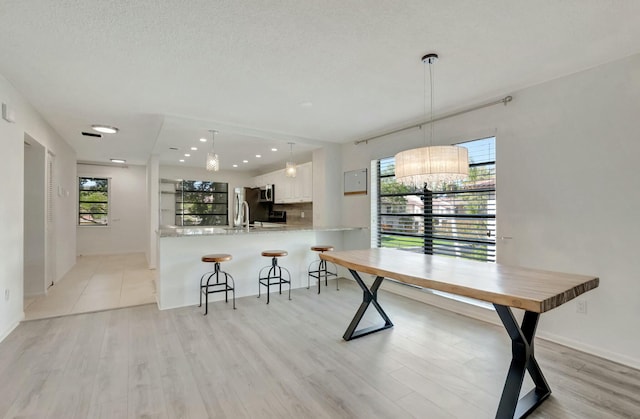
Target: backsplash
<point>295,212</point>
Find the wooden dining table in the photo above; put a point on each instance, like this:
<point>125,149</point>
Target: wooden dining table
<point>535,291</point>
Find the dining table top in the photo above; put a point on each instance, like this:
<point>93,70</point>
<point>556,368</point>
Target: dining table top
<point>529,289</point>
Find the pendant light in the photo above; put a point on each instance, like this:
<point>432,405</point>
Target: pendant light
<point>431,165</point>
<point>290,169</point>
<point>213,162</point>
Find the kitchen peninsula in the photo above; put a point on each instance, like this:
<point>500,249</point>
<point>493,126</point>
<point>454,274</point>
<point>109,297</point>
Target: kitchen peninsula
<point>180,250</point>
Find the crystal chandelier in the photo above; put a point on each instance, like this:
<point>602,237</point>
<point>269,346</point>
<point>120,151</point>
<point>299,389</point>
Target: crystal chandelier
<point>290,169</point>
<point>213,162</point>
<point>431,165</point>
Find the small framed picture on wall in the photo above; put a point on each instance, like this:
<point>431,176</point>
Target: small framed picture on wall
<point>355,182</point>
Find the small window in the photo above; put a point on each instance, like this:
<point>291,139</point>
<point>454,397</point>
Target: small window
<point>93,208</point>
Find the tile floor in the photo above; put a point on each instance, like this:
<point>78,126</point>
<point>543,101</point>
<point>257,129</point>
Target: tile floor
<point>97,283</point>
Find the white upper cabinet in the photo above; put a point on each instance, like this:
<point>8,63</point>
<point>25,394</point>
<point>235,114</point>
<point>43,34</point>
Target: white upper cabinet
<point>258,181</point>
<point>307,190</point>
<point>269,179</point>
<point>283,188</point>
<point>303,186</point>
<point>290,190</point>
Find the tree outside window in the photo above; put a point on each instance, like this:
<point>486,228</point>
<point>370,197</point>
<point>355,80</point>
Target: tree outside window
<point>93,208</point>
<point>457,219</point>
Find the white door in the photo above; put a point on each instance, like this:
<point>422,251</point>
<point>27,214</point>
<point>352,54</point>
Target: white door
<point>50,223</point>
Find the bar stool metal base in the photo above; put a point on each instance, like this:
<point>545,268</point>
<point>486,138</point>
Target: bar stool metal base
<point>219,286</point>
<point>318,269</point>
<point>274,277</point>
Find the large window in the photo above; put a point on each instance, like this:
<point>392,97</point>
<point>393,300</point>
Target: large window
<point>457,219</point>
<point>93,197</point>
<point>201,203</point>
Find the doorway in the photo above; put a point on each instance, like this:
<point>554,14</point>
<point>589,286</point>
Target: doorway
<point>35,155</point>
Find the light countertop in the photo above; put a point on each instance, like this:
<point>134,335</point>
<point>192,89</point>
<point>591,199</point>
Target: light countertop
<point>175,231</point>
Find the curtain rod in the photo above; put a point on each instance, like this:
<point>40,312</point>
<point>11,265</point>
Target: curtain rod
<point>504,101</point>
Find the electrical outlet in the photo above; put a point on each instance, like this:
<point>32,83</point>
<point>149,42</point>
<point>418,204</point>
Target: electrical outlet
<point>581,307</point>
<point>6,294</point>
<point>301,214</point>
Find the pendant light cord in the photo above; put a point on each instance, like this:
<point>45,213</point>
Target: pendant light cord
<point>424,101</point>
<point>431,105</point>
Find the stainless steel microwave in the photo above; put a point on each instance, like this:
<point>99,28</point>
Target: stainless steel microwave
<point>266,193</point>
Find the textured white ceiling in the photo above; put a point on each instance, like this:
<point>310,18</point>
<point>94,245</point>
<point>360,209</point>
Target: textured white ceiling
<point>249,65</point>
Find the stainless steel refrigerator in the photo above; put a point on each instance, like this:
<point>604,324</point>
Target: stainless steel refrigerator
<point>259,209</point>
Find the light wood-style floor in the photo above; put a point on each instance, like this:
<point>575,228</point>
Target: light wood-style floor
<point>288,360</point>
<point>96,283</point>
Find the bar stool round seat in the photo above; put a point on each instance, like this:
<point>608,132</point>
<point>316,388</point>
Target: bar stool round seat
<point>322,248</point>
<point>217,257</point>
<point>319,268</point>
<point>209,286</point>
<point>274,273</point>
<point>274,253</point>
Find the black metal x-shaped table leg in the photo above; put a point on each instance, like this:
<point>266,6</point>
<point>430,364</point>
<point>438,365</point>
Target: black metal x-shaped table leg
<point>370,296</point>
<point>523,359</point>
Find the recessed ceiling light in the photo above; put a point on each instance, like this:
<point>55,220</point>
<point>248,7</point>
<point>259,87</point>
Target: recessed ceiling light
<point>245,161</point>
<point>258,155</point>
<point>194,148</point>
<point>203,140</point>
<point>118,161</point>
<point>306,104</point>
<point>235,165</point>
<point>105,129</point>
<point>187,155</point>
<point>181,160</point>
<point>274,149</point>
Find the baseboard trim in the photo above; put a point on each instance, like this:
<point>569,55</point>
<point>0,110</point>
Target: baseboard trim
<point>489,316</point>
<point>11,328</point>
<point>591,350</point>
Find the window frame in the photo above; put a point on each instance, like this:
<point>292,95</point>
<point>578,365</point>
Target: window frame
<point>108,202</point>
<point>185,200</point>
<point>468,244</point>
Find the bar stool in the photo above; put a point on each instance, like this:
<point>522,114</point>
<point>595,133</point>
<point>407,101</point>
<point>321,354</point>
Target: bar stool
<point>321,270</point>
<point>211,288</point>
<point>274,275</point>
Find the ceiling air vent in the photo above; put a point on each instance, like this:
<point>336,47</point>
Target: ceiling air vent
<point>91,134</point>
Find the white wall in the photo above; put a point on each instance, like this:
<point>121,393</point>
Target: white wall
<point>327,190</point>
<point>127,231</point>
<point>28,121</point>
<point>180,267</point>
<point>567,192</point>
<point>153,204</point>
<point>65,198</point>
